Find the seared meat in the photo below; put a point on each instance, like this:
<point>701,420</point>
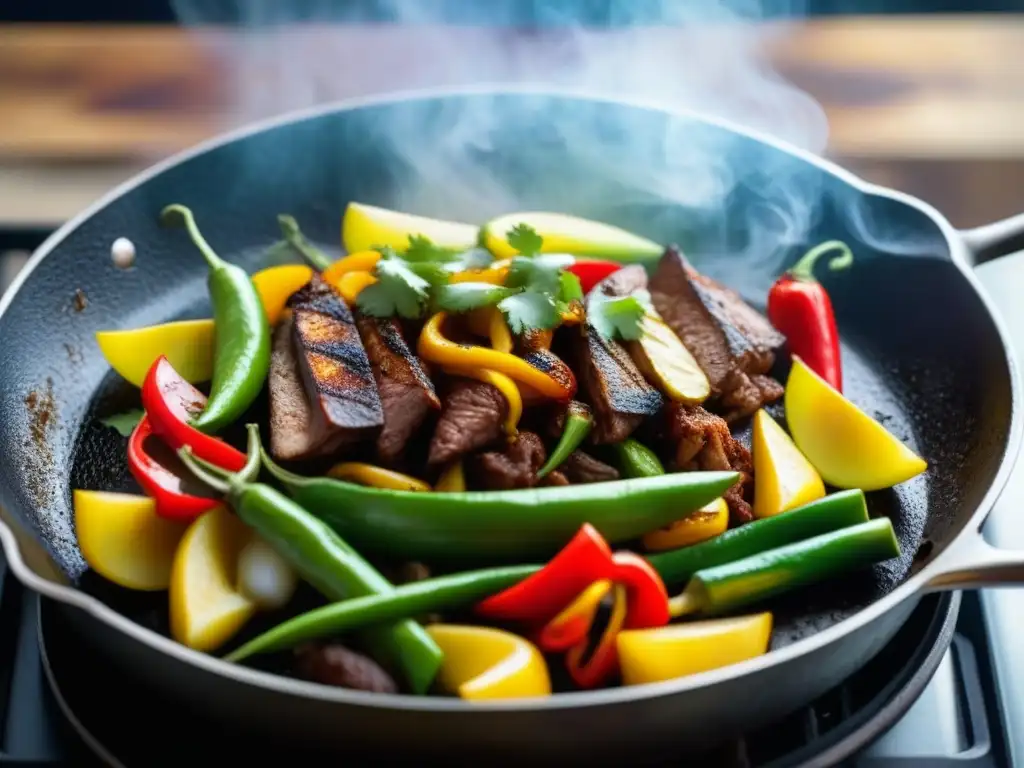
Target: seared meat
<point>731,341</point>
<point>704,442</point>
<point>294,433</point>
<point>623,282</point>
<point>333,364</point>
<point>335,664</point>
<point>472,414</point>
<point>555,478</point>
<point>617,391</point>
<point>582,468</point>
<point>406,392</point>
<point>515,467</point>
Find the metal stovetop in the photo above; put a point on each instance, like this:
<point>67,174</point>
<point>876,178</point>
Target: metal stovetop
<point>970,714</point>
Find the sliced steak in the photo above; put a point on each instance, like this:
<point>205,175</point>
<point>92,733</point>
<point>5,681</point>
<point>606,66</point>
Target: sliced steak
<point>703,442</point>
<point>731,341</point>
<point>334,664</point>
<point>333,364</point>
<point>515,467</point>
<point>624,282</point>
<point>472,414</point>
<point>582,468</point>
<point>406,392</point>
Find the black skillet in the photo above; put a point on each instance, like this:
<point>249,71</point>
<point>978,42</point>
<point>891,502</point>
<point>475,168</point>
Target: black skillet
<point>922,351</point>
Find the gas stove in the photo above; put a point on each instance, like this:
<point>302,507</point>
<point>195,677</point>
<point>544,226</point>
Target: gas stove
<point>942,693</point>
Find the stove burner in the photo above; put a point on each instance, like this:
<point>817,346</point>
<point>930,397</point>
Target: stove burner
<point>127,725</point>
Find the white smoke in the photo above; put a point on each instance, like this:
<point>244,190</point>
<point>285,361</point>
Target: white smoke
<point>694,55</point>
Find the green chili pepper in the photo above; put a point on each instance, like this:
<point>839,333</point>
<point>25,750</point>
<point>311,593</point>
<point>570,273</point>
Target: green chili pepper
<point>839,511</point>
<point>241,338</point>
<point>316,258</point>
<point>428,596</point>
<point>497,525</point>
<point>637,460</point>
<point>324,560</point>
<point>766,574</point>
<point>578,422</point>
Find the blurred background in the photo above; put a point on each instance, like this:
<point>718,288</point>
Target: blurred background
<point>923,95</point>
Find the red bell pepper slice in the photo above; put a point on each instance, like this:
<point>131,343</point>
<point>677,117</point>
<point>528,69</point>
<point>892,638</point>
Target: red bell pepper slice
<point>170,402</point>
<point>171,492</point>
<point>603,661</point>
<point>538,598</point>
<point>648,598</point>
<point>593,271</point>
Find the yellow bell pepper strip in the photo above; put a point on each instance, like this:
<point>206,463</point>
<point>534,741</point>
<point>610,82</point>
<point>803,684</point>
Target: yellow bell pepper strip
<point>847,447</point>
<point>123,539</point>
<point>579,420</point>
<point>351,284</point>
<point>678,650</point>
<point>572,624</point>
<point>602,662</point>
<point>503,384</point>
<point>706,523</point>
<point>783,477</point>
<point>206,607</point>
<point>436,348</point>
<point>495,274</point>
<point>452,480</point>
<point>375,477</point>
<point>483,663</point>
<point>766,574</point>
<point>188,344</point>
<point>276,284</point>
<point>362,261</point>
<point>498,331</point>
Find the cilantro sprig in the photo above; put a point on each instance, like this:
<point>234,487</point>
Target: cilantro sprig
<point>403,286</point>
<point>618,317</point>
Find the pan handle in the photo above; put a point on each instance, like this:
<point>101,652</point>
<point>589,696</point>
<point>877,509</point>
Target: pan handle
<point>991,241</point>
<point>971,562</point>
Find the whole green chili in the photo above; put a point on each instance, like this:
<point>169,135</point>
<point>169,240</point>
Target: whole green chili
<point>738,584</point>
<point>637,460</point>
<point>839,511</point>
<point>578,422</point>
<point>325,561</point>
<point>241,336</point>
<point>316,258</point>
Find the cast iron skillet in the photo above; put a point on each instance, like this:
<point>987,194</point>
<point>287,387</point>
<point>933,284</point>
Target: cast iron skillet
<point>923,351</point>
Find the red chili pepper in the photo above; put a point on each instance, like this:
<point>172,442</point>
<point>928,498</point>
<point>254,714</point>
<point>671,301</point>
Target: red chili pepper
<point>593,271</point>
<point>166,487</point>
<point>170,402</point>
<point>800,308</point>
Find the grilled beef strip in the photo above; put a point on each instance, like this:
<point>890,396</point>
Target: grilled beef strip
<point>615,389</point>
<point>582,468</point>
<point>406,392</point>
<point>333,364</point>
<point>733,343</point>
<point>514,467</point>
<point>334,664</point>
<point>472,414</point>
<point>703,442</point>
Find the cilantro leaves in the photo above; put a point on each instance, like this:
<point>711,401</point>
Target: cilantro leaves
<point>622,316</point>
<point>462,297</point>
<point>524,239</point>
<point>529,309</point>
<point>402,287</point>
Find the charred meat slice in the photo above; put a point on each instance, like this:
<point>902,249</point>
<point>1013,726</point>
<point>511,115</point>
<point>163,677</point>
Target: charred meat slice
<point>333,363</point>
<point>703,442</point>
<point>617,391</point>
<point>296,432</point>
<point>582,468</point>
<point>334,664</point>
<point>406,392</point>
<point>472,414</point>
<point>515,467</point>
<point>731,341</point>
<point>624,282</point>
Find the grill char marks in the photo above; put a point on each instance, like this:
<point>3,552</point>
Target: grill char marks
<point>733,343</point>
<point>406,392</point>
<point>333,363</point>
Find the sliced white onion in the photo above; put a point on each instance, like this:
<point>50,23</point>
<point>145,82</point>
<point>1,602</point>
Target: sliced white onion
<point>264,576</point>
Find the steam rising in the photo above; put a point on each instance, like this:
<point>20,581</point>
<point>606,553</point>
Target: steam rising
<point>692,55</point>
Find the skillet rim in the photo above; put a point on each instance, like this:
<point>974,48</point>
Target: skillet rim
<point>915,585</point>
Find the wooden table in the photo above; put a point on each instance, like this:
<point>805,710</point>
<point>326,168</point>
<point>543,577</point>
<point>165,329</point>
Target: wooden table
<point>934,106</point>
